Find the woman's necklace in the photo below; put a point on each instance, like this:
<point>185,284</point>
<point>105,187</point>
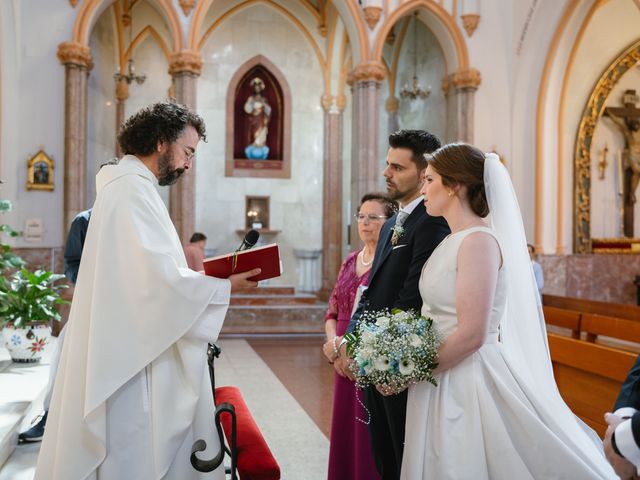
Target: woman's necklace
<point>366,264</point>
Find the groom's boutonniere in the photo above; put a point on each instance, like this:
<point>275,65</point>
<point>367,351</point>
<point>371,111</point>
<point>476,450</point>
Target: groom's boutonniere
<point>398,231</point>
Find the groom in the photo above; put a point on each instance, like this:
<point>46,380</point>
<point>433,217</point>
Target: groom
<point>406,241</point>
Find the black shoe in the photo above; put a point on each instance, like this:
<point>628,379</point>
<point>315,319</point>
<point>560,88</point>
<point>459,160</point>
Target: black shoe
<point>35,433</point>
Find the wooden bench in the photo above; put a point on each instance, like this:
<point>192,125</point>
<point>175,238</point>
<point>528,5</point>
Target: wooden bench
<point>589,376</point>
<point>247,449</point>
<point>560,317</point>
<point>619,328</point>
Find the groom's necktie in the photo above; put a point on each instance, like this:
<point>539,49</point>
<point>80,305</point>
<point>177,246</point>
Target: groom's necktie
<point>400,219</point>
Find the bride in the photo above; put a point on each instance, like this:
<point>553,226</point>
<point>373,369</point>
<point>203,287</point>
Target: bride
<point>496,412</point>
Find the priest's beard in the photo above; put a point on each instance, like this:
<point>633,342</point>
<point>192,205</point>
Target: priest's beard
<point>166,174</point>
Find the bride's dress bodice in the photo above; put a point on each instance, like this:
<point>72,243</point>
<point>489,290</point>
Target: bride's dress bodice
<point>438,287</point>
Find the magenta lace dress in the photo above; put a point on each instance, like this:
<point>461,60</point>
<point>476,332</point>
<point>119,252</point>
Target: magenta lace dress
<point>350,456</point>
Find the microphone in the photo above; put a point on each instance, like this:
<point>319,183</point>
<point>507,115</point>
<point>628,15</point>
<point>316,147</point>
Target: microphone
<point>249,241</point>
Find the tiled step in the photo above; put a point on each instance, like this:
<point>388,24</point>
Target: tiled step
<point>274,319</point>
<point>20,385</point>
<point>299,299</point>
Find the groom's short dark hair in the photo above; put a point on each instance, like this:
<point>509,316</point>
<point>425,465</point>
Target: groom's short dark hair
<point>418,141</point>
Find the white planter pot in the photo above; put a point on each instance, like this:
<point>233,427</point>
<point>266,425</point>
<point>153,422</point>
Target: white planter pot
<point>26,344</point>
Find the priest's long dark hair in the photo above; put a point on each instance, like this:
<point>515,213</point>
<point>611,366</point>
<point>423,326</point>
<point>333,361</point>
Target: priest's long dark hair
<point>158,123</point>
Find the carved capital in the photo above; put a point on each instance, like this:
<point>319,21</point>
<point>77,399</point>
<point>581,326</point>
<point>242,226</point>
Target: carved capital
<point>187,6</point>
<point>372,16</point>
<point>326,101</point>
<point>392,104</point>
<point>73,53</point>
<point>468,78</point>
<point>445,84</point>
<point>367,71</point>
<point>122,90</point>
<point>470,22</point>
<point>341,102</point>
<point>185,61</point>
<point>74,3</point>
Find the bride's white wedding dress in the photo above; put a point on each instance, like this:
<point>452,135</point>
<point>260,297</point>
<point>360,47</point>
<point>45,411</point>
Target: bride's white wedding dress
<point>484,420</point>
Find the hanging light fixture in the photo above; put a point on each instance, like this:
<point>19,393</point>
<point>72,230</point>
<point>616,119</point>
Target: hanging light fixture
<point>415,91</point>
<point>130,75</point>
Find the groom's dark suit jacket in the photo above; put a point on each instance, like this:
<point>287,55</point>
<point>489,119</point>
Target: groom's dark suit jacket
<point>393,283</point>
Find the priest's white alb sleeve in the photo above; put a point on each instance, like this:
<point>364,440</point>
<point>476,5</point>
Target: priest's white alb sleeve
<point>207,327</point>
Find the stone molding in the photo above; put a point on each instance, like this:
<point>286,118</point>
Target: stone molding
<point>367,71</point>
<point>186,61</point>
<point>467,78</point>
<point>187,6</point>
<point>470,22</point>
<point>73,53</point>
<point>372,16</point>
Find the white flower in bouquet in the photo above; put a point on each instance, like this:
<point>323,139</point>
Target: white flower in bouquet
<point>406,366</point>
<point>414,340</point>
<point>382,322</point>
<point>382,363</point>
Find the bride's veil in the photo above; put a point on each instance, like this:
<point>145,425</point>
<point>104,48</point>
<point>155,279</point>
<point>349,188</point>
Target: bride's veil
<point>522,329</point>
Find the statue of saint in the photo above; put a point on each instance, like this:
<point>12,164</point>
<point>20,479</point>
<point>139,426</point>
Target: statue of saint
<point>628,120</point>
<point>258,111</point>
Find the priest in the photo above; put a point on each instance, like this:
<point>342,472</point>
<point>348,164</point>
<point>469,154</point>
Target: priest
<point>132,393</point>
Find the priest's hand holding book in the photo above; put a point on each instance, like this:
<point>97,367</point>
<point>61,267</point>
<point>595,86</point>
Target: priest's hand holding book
<point>240,281</point>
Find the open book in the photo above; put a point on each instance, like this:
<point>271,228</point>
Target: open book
<point>266,258</point>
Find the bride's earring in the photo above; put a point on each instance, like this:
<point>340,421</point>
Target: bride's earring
<point>451,193</point>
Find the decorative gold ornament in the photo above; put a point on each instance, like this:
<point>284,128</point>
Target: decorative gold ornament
<point>73,53</point>
<point>582,157</point>
<point>372,16</point>
<point>467,78</point>
<point>185,61</point>
<point>40,172</point>
<point>187,6</point>
<point>602,163</point>
<point>470,22</point>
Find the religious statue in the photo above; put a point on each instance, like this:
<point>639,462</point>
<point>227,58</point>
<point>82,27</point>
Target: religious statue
<point>259,113</point>
<point>628,120</point>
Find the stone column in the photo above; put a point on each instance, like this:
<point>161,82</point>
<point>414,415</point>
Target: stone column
<point>185,68</point>
<point>122,94</point>
<point>332,193</point>
<point>460,88</point>
<point>76,59</point>
<point>365,81</point>
<point>392,106</point>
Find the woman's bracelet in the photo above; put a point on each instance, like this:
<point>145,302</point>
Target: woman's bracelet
<point>336,350</point>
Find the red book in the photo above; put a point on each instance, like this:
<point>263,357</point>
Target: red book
<point>266,258</point>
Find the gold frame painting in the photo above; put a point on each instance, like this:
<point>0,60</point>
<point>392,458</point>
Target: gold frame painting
<point>40,172</point>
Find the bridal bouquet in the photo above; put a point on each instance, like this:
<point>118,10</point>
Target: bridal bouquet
<point>393,348</point>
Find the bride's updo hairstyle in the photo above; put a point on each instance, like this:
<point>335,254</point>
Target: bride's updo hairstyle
<point>462,164</point>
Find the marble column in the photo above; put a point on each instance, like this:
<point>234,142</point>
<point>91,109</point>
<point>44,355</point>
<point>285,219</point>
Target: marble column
<point>460,88</point>
<point>332,193</point>
<point>392,105</point>
<point>122,94</point>
<point>185,68</point>
<point>76,59</point>
<point>365,81</point>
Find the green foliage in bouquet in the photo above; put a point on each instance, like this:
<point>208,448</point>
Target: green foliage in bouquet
<point>394,348</point>
<point>27,297</point>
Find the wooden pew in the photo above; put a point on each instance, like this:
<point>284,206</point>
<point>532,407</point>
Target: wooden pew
<point>589,376</point>
<point>618,328</point>
<point>562,318</point>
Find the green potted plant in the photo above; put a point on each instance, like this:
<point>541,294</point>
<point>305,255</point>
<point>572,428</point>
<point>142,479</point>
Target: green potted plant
<point>27,303</point>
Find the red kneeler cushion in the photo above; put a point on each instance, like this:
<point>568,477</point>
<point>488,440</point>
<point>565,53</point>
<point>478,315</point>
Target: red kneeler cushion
<point>255,461</point>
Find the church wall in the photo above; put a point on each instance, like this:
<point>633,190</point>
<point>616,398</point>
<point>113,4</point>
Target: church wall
<point>296,203</point>
<point>33,110</point>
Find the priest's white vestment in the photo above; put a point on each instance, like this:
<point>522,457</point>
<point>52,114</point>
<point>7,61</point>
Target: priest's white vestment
<point>132,391</point>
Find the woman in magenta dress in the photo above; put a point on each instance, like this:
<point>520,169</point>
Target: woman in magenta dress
<point>350,456</point>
